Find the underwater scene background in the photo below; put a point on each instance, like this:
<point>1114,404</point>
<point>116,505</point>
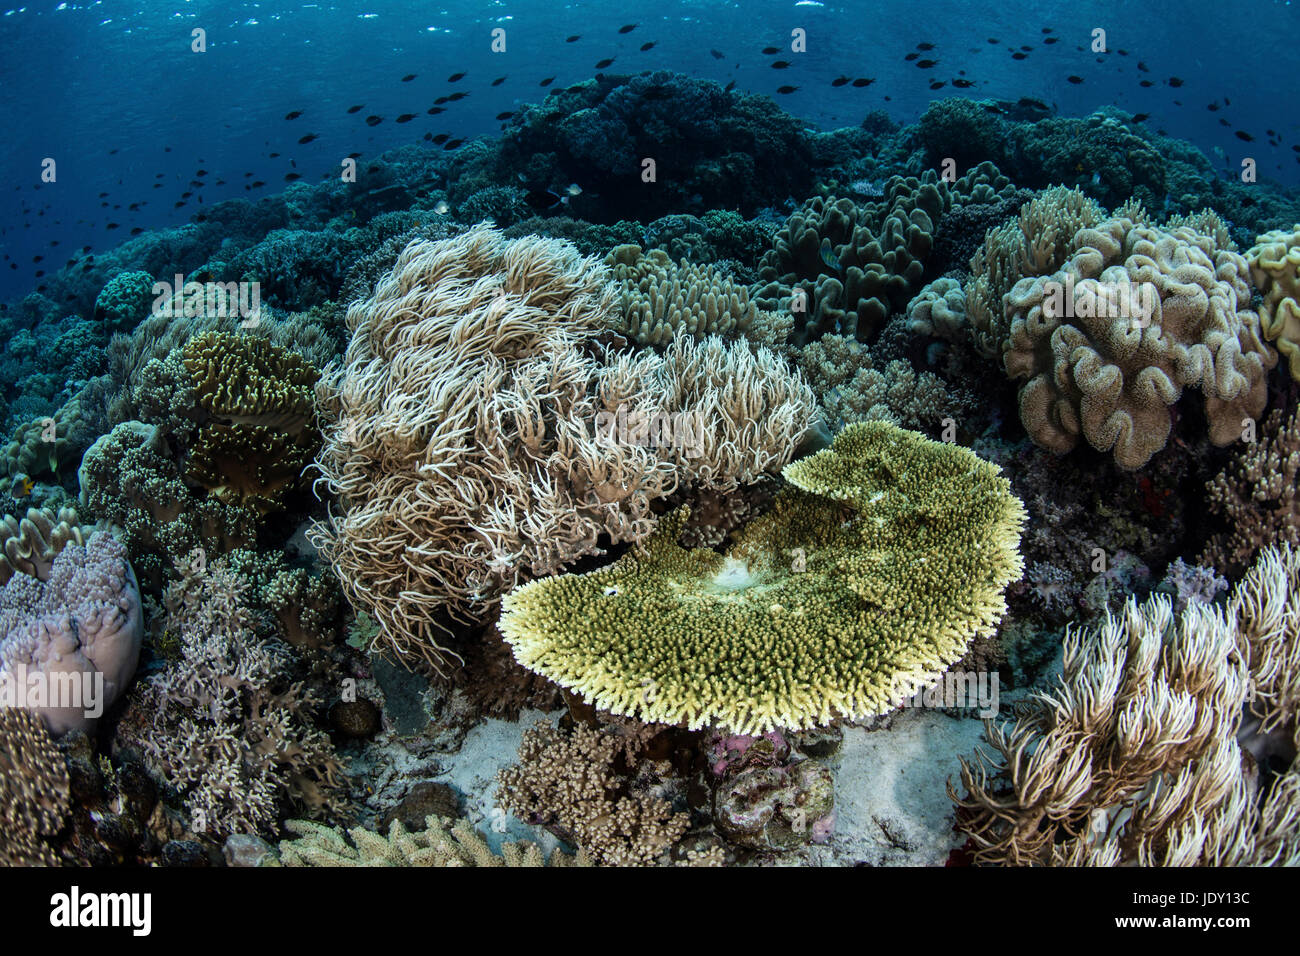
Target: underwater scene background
<point>705,434</point>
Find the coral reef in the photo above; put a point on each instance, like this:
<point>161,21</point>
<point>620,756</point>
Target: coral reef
<point>1108,343</point>
<point>1135,757</point>
<point>840,266</point>
<point>226,724</point>
<point>441,843</point>
<point>568,782</point>
<point>34,790</point>
<point>1274,263</point>
<point>1256,499</point>
<point>462,429</point>
<point>811,613</point>
<point>29,545</point>
<point>78,625</point>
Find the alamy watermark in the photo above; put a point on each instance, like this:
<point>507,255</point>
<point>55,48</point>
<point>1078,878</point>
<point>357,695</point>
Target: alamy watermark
<point>681,430</point>
<point>189,300</point>
<point>1093,298</point>
<point>34,689</point>
<point>975,690</point>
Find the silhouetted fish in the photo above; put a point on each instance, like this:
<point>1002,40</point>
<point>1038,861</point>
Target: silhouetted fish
<point>862,81</point>
<point>628,28</point>
<point>1074,79</point>
<point>505,116</point>
<point>1244,136</point>
<point>547,82</point>
<point>786,89</point>
<point>408,78</point>
<point>926,64</point>
<point>498,81</point>
<point>717,55</point>
<point>294,115</point>
<point>780,64</point>
<point>1175,81</point>
<point>923,47</point>
<point>767,51</point>
<point>357,109</point>
<point>306,139</point>
<point>455,77</point>
<point>374,120</point>
<point>648,46</point>
<point>840,81</point>
<point>604,63</point>
<point>573,39</point>
<point>962,84</point>
<point>1018,56</point>
<point>405,118</point>
<point>290,177</point>
<point>435,110</point>
<point>454,144</point>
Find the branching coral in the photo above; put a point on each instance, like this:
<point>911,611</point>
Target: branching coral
<point>34,790</point>
<point>1257,497</point>
<point>481,436</point>
<point>1136,758</point>
<point>1275,266</point>
<point>864,581</point>
<point>225,724</point>
<point>1108,343</point>
<point>439,844</point>
<point>568,781</point>
<point>852,262</point>
<point>852,389</point>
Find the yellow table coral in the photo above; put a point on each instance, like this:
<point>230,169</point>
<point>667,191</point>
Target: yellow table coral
<point>871,574</point>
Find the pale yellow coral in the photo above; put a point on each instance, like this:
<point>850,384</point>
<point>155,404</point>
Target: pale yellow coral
<point>871,574</point>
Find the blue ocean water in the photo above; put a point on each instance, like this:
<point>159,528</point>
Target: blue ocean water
<point>113,92</point>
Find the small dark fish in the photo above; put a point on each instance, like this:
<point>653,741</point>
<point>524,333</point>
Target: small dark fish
<point>113,152</point>
<point>1047,30</point>
<point>937,84</point>
<point>1145,83</point>
<point>729,87</point>
<point>923,47</point>
<point>354,155</point>
<point>1142,67</point>
<point>1122,52</point>
<point>294,115</point>
<point>357,109</point>
<point>994,40</point>
<point>604,63</point>
<point>912,56</point>
<point>716,55</point>
<point>1227,102</point>
<point>1075,79</point>
<point>1027,49</point>
<point>290,177</point>
<point>498,81</point>
<point>435,110</point>
<point>257,184</point>
<point>405,118</point>
<point>102,195</point>
<point>628,28</point>
<point>456,97</point>
<point>1141,117</point>
<point>780,64</point>
<point>962,84</point>
<point>573,39</point>
<point>648,46</point>
<point>374,120</point>
<point>136,231</point>
<point>926,64</point>
<point>862,81</point>
<point>828,256</point>
<point>456,77</point>
<point>786,89</point>
<point>454,144</point>
<point>1050,40</point>
<point>1175,81</point>
<point>440,100</point>
<point>408,78</point>
<point>274,156</point>
<point>36,259</point>
<point>307,139</point>
<point>441,138</point>
<point>1018,56</point>
<point>768,51</point>
<point>506,115</point>
<point>840,81</point>
<point>1244,136</point>
<point>547,82</point>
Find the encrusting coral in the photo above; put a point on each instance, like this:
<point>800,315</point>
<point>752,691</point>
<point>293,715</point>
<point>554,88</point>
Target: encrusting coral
<point>1148,751</point>
<point>439,844</point>
<point>34,790</point>
<point>461,447</point>
<point>868,577</point>
<point>568,781</point>
<point>1275,266</point>
<point>1107,344</point>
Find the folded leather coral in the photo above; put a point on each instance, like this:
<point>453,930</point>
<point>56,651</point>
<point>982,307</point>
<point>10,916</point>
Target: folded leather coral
<point>1137,314</point>
<point>871,574</point>
<point>1275,266</point>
